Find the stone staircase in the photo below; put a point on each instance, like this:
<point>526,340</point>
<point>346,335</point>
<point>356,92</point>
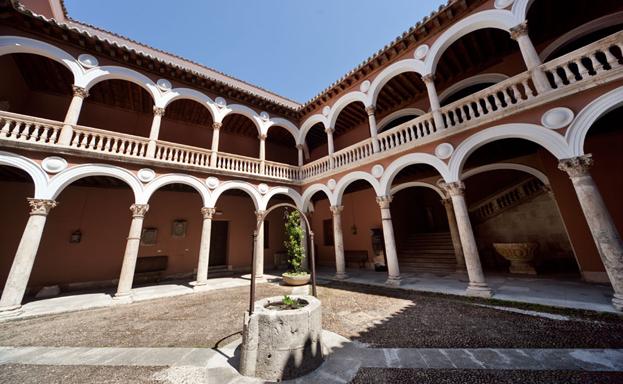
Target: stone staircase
<point>427,252</point>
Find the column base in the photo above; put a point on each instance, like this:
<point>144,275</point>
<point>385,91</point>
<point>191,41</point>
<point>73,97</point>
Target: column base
<point>198,283</point>
<point>617,302</point>
<point>122,298</point>
<point>11,312</point>
<point>341,275</point>
<point>479,290</point>
<point>393,281</point>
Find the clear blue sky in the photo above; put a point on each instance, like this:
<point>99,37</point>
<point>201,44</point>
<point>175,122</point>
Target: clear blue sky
<point>295,48</point>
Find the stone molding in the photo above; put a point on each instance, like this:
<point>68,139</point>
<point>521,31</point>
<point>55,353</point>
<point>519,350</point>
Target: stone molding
<point>384,201</point>
<point>259,215</point>
<point>370,109</point>
<point>430,78</point>
<point>519,30</point>
<point>80,91</point>
<point>216,126</point>
<point>336,209</point>
<point>208,213</point>
<point>262,136</point>
<point>139,210</point>
<point>158,111</point>
<point>456,188</point>
<point>41,206</point>
<point>576,166</point>
<point>329,130</point>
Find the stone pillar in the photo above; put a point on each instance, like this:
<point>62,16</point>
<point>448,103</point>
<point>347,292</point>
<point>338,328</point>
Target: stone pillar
<point>454,232</point>
<point>259,246</point>
<point>370,109</point>
<point>330,146</point>
<point>338,242</point>
<point>126,277</point>
<point>390,243</point>
<point>477,284</point>
<point>73,114</point>
<point>429,81</point>
<point>262,138</point>
<point>154,132</point>
<point>299,148</point>
<point>204,247</point>
<point>216,128</point>
<point>16,282</point>
<point>606,237</point>
<point>530,56</point>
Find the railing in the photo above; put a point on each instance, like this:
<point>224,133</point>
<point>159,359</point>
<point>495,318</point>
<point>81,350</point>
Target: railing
<point>237,163</point>
<point>99,140</point>
<point>316,167</point>
<point>182,154</point>
<point>282,171</point>
<point>407,132</point>
<point>16,127</point>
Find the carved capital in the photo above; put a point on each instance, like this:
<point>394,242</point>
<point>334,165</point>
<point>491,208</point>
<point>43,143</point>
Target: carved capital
<point>454,189</point>
<point>41,206</point>
<point>79,91</point>
<point>158,111</point>
<point>336,209</point>
<point>139,210</point>
<point>384,201</point>
<point>447,202</point>
<point>216,126</point>
<point>576,166</point>
<point>519,30</point>
<point>262,137</point>
<point>300,147</point>
<point>430,78</point>
<point>370,109</point>
<point>208,213</point>
<point>329,131</point>
<point>259,215</point>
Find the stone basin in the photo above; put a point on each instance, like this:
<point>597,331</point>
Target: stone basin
<point>520,256</point>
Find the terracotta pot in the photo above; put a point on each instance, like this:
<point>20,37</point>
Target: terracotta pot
<point>520,256</point>
<point>296,280</point>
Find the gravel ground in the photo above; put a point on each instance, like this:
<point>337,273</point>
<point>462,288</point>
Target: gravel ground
<point>452,376</point>
<point>377,316</point>
<point>55,374</point>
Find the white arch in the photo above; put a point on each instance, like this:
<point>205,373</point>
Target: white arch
<point>18,44</point>
<point>243,110</point>
<point>287,124</point>
<point>346,180</point>
<point>506,166</point>
<point>311,191</point>
<point>492,18</point>
<point>520,9</point>
<point>63,179</point>
<point>309,123</point>
<point>177,178</point>
<point>412,184</point>
<point>397,114</point>
<point>410,159</point>
<point>548,139</point>
<point>294,195</point>
<point>407,65</point>
<point>38,175</point>
<point>190,94</point>
<point>342,102</point>
<point>112,72</point>
<point>471,81</point>
<point>576,133</point>
<point>240,185</point>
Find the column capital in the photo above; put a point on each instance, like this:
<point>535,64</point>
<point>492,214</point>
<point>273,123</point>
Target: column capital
<point>519,30</point>
<point>79,91</point>
<point>41,206</point>
<point>158,111</point>
<point>576,166</point>
<point>262,136</point>
<point>329,130</point>
<point>336,209</point>
<point>216,125</point>
<point>384,201</point>
<point>430,78</point>
<point>447,202</point>
<point>300,147</point>
<point>208,213</point>
<point>259,214</point>
<point>456,188</point>
<point>370,109</point>
<point>139,210</point>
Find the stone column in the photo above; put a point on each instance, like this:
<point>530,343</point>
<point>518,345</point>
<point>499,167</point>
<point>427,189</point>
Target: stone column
<point>259,246</point>
<point>216,128</point>
<point>530,56</point>
<point>154,132</point>
<point>429,81</point>
<point>390,243</point>
<point>16,282</point>
<point>204,247</point>
<point>126,277</point>
<point>454,232</point>
<point>338,242</point>
<point>299,148</point>
<point>73,114</point>
<point>370,109</point>
<point>262,138</point>
<point>330,146</point>
<point>477,284</point>
<point>605,234</point>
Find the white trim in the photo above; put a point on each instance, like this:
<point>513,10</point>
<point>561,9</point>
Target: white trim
<point>309,123</point>
<point>243,110</point>
<point>177,178</point>
<point>520,9</point>
<point>346,180</point>
<point>343,102</point>
<point>576,133</point>
<point>38,175</point>
<point>471,81</point>
<point>286,124</point>
<point>291,193</point>
<point>402,66</point>
<point>112,72</point>
<point>189,94</point>
<point>312,190</point>
<point>506,166</point>
<point>397,188</point>
<point>398,114</point>
<point>249,188</point>
<point>404,161</point>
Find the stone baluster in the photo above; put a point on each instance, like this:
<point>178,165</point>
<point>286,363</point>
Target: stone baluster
<point>15,286</point>
<point>477,285</point>
<point>390,243</point>
<point>216,129</point>
<point>454,233</point>
<point>370,110</point>
<point>126,278</point>
<point>204,247</point>
<point>602,227</point>
<point>259,245</point>
<point>338,242</point>
<point>531,58</point>
<point>429,81</point>
<point>154,132</point>
<point>73,114</point>
<point>262,138</point>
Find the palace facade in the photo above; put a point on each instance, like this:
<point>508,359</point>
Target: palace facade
<point>488,122</point>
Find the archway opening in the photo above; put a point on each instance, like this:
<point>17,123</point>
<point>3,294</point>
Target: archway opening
<point>275,254</point>
<point>316,139</point>
<point>403,91</point>
<point>281,146</point>
<point>351,126</point>
<point>239,136</point>
<point>187,122</point>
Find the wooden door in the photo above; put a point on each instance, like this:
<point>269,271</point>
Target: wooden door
<point>218,243</point>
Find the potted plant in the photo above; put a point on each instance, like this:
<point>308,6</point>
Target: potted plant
<point>296,251</point>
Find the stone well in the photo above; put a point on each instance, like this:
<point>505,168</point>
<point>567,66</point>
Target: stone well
<point>282,344</point>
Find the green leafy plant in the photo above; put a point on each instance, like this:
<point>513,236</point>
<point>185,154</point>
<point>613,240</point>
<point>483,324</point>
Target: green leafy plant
<point>290,303</point>
<point>294,242</point>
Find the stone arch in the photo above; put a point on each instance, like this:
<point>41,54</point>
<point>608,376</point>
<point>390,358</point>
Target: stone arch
<point>63,179</point>
<point>493,18</point>
<point>177,178</point>
<point>520,9</point>
<point>576,133</point>
<point>506,166</point>
<point>287,124</point>
<point>346,180</point>
<point>413,158</point>
<point>37,174</point>
<point>546,138</point>
<point>190,94</point>
<point>243,110</point>
<point>412,184</point>
<point>471,81</point>
<point>308,124</point>
<point>312,190</point>
<point>398,114</point>
<point>291,193</point>
<point>407,65</point>
<point>342,102</point>
<point>248,188</point>
<point>112,72</point>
